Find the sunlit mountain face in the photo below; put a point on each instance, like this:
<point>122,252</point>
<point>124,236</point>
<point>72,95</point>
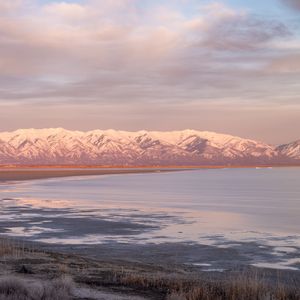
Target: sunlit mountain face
<point>111,147</point>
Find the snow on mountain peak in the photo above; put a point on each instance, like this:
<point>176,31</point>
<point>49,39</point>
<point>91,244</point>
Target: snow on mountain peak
<point>291,150</point>
<point>113,147</point>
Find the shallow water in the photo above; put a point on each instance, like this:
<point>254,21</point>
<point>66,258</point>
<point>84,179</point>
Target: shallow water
<point>223,207</point>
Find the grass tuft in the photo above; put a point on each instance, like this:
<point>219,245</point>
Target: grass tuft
<point>15,288</point>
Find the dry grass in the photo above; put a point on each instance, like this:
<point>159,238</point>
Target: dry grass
<point>158,283</point>
<point>181,287</point>
<point>14,288</point>
<point>27,288</point>
<point>236,289</point>
<point>15,248</point>
<point>9,248</point>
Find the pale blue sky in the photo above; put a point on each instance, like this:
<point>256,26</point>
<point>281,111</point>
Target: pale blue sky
<point>256,6</point>
<point>231,66</point>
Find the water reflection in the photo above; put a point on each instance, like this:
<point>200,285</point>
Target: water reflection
<point>223,208</point>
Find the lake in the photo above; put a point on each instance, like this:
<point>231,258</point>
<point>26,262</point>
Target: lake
<point>223,208</point>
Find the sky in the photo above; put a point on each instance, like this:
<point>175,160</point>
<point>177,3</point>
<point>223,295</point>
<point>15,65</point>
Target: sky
<point>230,66</point>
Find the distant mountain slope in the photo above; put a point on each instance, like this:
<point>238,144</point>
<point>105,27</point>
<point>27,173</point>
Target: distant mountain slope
<point>291,150</point>
<point>110,147</point>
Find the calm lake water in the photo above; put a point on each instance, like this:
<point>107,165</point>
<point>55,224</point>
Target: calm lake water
<point>213,207</point>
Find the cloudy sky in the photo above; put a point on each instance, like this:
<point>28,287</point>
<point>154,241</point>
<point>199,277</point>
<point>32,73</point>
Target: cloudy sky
<point>230,66</point>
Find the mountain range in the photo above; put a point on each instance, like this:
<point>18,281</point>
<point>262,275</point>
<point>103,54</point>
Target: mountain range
<point>57,146</point>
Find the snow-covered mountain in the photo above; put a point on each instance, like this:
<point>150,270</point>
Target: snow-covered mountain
<point>110,147</point>
<point>291,150</point>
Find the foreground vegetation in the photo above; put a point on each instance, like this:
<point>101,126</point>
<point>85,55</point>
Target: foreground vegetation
<point>14,288</point>
<point>28,273</point>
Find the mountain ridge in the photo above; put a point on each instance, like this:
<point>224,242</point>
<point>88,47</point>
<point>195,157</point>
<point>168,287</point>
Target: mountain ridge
<point>128,148</point>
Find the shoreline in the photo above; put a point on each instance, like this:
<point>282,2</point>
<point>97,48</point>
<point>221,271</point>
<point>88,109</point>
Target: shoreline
<point>47,173</point>
<point>138,167</point>
<point>24,172</point>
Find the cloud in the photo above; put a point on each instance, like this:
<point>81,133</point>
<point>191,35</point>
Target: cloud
<point>118,51</point>
<point>243,32</point>
<point>294,4</point>
<point>286,64</point>
<point>67,11</point>
<point>10,6</point>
